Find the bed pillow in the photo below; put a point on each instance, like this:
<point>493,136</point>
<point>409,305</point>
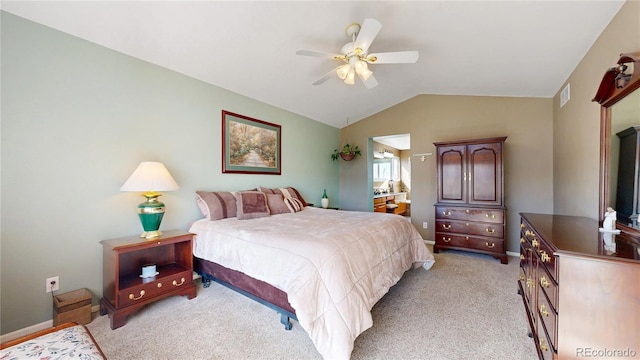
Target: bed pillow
<point>216,205</point>
<point>251,205</point>
<point>293,204</point>
<point>268,190</point>
<point>276,204</point>
<point>290,192</point>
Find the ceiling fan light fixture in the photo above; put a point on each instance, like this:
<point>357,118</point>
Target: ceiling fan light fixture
<point>363,70</point>
<point>351,78</point>
<point>361,66</point>
<point>343,71</point>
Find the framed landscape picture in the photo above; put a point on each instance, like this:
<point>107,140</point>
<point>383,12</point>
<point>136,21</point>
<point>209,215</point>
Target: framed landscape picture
<point>250,146</point>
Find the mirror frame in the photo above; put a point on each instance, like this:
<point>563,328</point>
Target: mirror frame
<point>615,85</point>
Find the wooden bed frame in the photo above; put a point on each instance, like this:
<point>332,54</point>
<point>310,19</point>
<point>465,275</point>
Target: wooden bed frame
<point>257,290</point>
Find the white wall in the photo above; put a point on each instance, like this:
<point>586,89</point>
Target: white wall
<point>77,119</point>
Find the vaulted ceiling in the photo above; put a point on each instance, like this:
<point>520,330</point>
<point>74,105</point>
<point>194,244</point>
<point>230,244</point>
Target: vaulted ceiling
<point>492,48</point>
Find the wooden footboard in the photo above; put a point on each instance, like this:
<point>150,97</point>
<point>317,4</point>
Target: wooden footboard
<point>255,289</point>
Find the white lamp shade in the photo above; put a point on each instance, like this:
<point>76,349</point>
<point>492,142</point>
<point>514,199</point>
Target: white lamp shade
<point>150,176</point>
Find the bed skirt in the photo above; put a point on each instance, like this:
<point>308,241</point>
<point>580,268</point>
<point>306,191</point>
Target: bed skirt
<point>253,288</point>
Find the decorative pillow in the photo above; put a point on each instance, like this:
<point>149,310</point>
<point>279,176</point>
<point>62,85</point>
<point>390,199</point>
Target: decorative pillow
<point>290,192</point>
<point>216,205</point>
<point>293,204</point>
<point>276,204</point>
<point>251,205</point>
<point>268,190</point>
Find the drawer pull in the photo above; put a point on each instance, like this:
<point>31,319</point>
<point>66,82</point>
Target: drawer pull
<point>490,246</point>
<point>466,238</point>
<point>446,213</point>
<point>543,345</point>
<point>521,240</point>
<point>522,226</point>
<point>467,211</point>
<point>535,243</point>
<point>521,277</point>
<point>490,216</point>
<point>175,282</point>
<point>543,310</point>
<point>491,230</point>
<point>544,282</point>
<point>529,282</point>
<point>446,226</point>
<point>132,297</point>
<point>159,285</point>
<point>521,257</point>
<point>544,256</point>
<point>446,239</point>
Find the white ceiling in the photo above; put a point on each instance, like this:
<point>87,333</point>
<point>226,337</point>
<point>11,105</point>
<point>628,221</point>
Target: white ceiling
<point>494,48</point>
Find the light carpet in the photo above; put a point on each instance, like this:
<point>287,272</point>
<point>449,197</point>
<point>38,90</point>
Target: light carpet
<point>465,307</point>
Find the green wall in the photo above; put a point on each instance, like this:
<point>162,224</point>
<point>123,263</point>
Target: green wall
<point>77,119</point>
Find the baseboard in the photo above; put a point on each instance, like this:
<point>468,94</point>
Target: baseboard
<point>26,331</point>
<point>33,328</point>
<point>511,253</point>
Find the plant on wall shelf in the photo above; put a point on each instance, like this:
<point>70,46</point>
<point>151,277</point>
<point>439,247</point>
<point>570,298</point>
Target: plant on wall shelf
<point>347,153</point>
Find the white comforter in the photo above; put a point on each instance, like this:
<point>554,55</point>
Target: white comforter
<point>334,265</point>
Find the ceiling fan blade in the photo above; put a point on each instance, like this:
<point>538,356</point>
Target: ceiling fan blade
<point>368,31</point>
<point>326,76</point>
<point>319,54</point>
<point>398,57</point>
<point>370,83</point>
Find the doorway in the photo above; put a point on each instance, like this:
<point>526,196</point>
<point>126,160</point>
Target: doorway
<point>391,173</point>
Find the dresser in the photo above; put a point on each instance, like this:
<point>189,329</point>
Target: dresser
<point>580,288</point>
<point>470,213</point>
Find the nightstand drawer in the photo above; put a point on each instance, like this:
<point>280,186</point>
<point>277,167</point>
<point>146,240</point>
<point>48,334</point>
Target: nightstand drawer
<point>153,288</point>
<point>470,227</point>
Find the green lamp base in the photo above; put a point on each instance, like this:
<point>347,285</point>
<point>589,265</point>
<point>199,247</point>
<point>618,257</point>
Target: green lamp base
<point>150,213</point>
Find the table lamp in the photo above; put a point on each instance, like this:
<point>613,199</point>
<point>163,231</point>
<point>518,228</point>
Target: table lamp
<point>150,177</point>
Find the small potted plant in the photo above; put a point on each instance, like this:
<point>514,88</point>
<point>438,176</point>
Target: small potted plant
<point>347,153</point>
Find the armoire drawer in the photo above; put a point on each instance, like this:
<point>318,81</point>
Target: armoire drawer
<point>470,214</point>
<point>470,242</point>
<point>470,227</point>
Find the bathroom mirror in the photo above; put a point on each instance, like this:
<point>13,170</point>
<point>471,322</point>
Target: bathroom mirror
<point>619,97</point>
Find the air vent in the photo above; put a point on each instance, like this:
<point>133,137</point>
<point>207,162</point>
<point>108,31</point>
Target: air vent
<point>565,95</point>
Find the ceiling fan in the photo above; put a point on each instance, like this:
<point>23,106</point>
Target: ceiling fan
<point>355,55</point>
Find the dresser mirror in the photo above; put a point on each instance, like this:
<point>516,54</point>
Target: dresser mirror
<point>619,97</point>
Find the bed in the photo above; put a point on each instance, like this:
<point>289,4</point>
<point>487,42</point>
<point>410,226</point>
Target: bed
<point>324,268</point>
<point>66,341</point>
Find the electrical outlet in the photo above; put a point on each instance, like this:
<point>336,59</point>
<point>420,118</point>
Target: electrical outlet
<point>425,225</point>
<point>52,284</point>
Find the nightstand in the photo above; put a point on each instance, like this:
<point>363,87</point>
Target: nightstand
<point>125,292</point>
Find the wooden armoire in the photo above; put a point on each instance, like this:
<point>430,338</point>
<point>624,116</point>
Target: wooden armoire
<point>470,212</point>
<point>628,190</point>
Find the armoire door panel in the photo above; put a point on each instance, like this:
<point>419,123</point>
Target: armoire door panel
<point>485,174</point>
<point>452,174</point>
